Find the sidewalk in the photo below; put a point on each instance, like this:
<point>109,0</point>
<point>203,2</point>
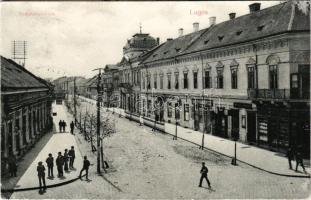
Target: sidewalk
<point>267,160</point>
<point>58,143</point>
<point>273,162</point>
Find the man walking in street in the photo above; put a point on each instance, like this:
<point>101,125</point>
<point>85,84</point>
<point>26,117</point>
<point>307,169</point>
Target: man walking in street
<point>290,155</point>
<point>299,160</point>
<point>64,126</point>
<point>66,160</point>
<point>60,124</point>
<point>60,163</point>
<point>204,172</point>
<point>41,175</point>
<point>86,165</point>
<point>72,126</point>
<point>50,164</point>
<point>72,157</point>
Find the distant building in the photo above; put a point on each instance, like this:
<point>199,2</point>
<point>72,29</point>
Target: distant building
<point>25,109</point>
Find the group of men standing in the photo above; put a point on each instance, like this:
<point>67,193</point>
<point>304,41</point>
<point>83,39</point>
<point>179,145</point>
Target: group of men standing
<point>62,126</point>
<point>61,163</point>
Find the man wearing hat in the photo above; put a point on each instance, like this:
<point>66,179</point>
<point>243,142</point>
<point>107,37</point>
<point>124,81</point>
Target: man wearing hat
<point>41,175</point>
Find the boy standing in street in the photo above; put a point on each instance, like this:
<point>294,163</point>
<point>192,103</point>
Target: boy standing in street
<point>204,172</point>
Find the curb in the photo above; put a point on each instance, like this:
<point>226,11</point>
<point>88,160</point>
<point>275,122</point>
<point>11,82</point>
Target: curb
<point>271,172</point>
<point>37,188</point>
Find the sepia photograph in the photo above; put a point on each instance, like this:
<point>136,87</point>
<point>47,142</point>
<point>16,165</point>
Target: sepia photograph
<point>155,99</point>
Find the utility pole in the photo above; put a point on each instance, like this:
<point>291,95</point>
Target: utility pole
<point>99,96</point>
<point>74,99</point>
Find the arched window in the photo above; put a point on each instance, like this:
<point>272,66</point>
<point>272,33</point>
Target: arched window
<point>251,73</point>
<point>234,74</point>
<point>272,61</point>
<point>220,77</point>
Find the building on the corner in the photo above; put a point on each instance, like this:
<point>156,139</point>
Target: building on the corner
<point>246,78</point>
<point>134,52</point>
<point>25,109</point>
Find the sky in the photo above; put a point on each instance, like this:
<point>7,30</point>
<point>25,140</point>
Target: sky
<point>73,38</point>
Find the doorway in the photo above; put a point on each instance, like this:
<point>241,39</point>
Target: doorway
<point>251,127</point>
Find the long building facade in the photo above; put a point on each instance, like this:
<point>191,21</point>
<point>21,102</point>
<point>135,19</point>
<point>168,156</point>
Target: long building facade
<point>246,79</point>
<point>25,109</point>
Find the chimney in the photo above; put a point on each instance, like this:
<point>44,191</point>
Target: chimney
<point>212,21</point>
<point>254,7</point>
<point>180,32</point>
<point>158,40</point>
<point>195,26</point>
<point>231,15</point>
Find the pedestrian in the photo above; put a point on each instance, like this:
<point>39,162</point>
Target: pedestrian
<point>41,175</point>
<point>66,160</point>
<point>204,172</point>
<point>86,165</point>
<point>299,160</point>
<point>12,165</point>
<point>290,155</point>
<point>64,126</point>
<point>50,163</point>
<point>59,164</point>
<point>72,126</point>
<point>60,124</point>
<point>72,156</point>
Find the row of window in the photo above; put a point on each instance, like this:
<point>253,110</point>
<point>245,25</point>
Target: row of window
<point>207,79</point>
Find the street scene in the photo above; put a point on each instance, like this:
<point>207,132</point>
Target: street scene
<point>155,111</point>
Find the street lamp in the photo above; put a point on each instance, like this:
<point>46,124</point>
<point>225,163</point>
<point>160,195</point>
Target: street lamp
<point>99,96</point>
<point>177,107</point>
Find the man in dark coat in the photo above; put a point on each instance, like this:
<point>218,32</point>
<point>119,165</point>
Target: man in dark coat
<point>41,175</point>
<point>64,126</point>
<point>290,155</point>
<point>50,164</point>
<point>66,158</point>
<point>86,165</point>
<point>60,124</point>
<point>72,126</point>
<point>204,172</point>
<point>72,156</point>
<point>59,164</point>
<point>12,165</point>
<point>299,161</point>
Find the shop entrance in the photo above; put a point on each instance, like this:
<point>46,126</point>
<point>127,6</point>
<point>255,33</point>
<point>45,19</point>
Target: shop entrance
<point>251,127</point>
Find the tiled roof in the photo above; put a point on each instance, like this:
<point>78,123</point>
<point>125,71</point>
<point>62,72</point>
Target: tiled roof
<point>263,23</point>
<point>269,21</point>
<point>15,77</point>
<point>174,47</point>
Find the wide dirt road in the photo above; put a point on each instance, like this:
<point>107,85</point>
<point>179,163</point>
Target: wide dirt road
<point>149,165</point>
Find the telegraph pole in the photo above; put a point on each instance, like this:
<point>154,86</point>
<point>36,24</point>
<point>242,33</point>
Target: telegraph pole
<point>74,99</point>
<point>99,96</point>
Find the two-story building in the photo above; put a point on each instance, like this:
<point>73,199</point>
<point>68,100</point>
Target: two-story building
<point>244,78</point>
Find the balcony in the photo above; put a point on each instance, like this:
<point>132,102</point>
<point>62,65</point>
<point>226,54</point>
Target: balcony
<point>268,93</point>
<point>277,94</point>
